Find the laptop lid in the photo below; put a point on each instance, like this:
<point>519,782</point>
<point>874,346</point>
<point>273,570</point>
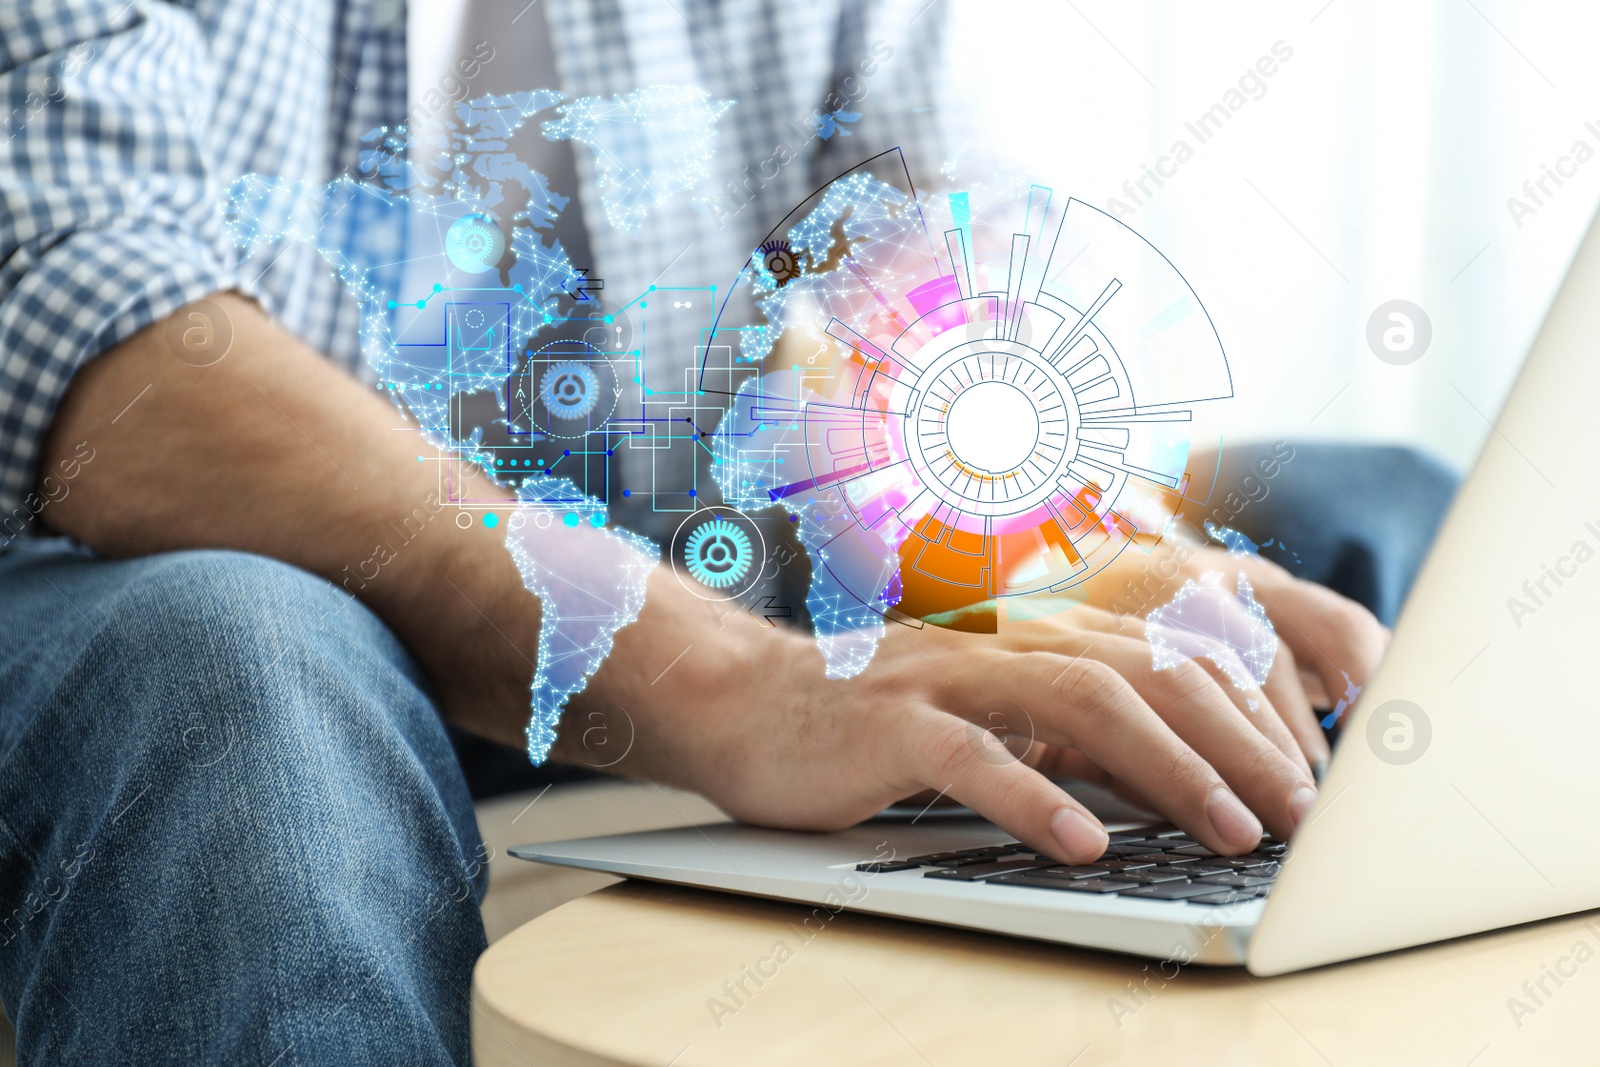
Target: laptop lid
<point>1469,764</point>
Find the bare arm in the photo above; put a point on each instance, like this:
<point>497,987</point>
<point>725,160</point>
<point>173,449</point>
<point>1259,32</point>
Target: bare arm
<point>273,450</point>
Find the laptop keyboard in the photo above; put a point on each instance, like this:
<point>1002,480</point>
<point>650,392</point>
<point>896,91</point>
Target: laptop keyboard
<point>1152,863</point>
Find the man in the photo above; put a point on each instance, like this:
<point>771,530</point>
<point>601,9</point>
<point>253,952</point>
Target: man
<point>231,823</point>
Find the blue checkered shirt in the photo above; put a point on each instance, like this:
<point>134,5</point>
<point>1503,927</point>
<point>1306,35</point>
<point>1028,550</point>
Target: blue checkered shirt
<point>123,122</point>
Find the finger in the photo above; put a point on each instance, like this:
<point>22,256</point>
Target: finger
<point>1055,762</point>
<point>1288,696</point>
<point>1341,640</point>
<point>1085,704</point>
<point>1233,678</point>
<point>1279,711</point>
<point>1070,763</point>
<point>1255,706</point>
<point>951,754</point>
<point>1311,682</point>
<point>1252,750</point>
<point>1291,725</point>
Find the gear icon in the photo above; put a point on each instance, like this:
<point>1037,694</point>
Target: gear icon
<point>718,554</point>
<point>569,390</point>
<point>474,244</point>
<point>778,259</point>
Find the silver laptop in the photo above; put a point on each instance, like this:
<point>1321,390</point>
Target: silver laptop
<point>1454,804</point>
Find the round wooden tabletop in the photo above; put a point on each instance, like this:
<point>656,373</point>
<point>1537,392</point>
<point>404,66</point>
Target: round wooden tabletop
<point>644,974</point>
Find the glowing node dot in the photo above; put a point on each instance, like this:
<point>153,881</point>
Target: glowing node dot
<point>571,519</point>
<point>490,519</point>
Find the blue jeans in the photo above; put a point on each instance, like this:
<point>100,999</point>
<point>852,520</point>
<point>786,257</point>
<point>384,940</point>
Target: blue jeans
<point>232,828</point>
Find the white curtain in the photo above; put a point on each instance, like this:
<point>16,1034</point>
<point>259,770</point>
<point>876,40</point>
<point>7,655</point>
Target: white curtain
<point>1373,163</point>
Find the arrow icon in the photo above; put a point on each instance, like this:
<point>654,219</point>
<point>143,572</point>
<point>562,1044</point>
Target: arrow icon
<point>768,610</point>
<point>584,285</point>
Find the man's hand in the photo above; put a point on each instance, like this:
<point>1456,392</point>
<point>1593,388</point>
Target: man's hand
<point>270,449</point>
<point>743,713</point>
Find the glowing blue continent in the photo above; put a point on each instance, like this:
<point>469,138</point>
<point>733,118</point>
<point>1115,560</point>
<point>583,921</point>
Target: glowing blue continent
<point>649,145</point>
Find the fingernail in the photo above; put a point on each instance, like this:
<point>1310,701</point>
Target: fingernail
<point>1300,802</point>
<point>1083,840</point>
<point>1231,819</point>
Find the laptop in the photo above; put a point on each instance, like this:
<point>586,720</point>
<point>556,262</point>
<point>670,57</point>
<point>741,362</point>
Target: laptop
<point>1454,803</point>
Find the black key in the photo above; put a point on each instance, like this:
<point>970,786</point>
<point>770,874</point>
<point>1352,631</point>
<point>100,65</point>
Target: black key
<point>992,851</point>
<point>1172,859</point>
<point>1170,891</point>
<point>1120,865</point>
<point>1082,885</point>
<point>1147,843</point>
<point>1236,880</point>
<point>963,861</point>
<point>1148,877</point>
<point>1117,839</point>
<point>978,871</point>
<point>886,867</point>
<point>932,858</point>
<point>1226,896</point>
<point>1194,850</point>
<point>1243,863</point>
<point>1148,857</point>
<point>1201,868</point>
<point>1060,871</point>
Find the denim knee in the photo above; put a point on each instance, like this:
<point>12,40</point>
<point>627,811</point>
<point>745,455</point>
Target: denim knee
<point>266,820</point>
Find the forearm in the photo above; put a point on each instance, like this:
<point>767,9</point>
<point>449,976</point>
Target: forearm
<point>273,450</point>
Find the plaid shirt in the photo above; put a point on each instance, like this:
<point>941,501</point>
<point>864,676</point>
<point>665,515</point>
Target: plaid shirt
<point>124,120</point>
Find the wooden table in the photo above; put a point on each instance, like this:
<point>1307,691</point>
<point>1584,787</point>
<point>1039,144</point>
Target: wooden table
<point>643,974</point>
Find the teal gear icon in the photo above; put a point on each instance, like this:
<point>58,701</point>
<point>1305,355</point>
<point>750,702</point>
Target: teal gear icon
<point>474,243</point>
<point>569,389</point>
<point>718,554</point>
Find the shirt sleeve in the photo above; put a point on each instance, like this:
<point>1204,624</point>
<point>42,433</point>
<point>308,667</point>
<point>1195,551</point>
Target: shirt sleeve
<point>108,207</point>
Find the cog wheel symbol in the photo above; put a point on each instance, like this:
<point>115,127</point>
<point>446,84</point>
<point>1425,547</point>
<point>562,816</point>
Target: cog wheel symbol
<point>474,244</point>
<point>718,554</point>
<point>569,389</point>
<point>778,259</point>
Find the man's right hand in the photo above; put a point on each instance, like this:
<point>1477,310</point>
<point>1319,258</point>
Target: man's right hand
<point>744,714</point>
